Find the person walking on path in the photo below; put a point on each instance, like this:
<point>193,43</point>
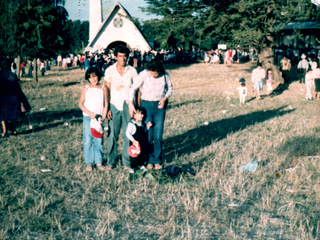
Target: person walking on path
<point>119,77</point>
<point>316,76</point>
<point>258,74</point>
<point>285,65</point>
<point>310,81</point>
<point>303,67</point>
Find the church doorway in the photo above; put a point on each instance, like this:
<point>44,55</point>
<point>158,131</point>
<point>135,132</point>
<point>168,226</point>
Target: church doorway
<point>117,43</point>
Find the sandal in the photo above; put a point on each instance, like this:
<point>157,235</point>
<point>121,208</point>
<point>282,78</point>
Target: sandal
<point>101,167</point>
<point>157,166</point>
<point>109,167</point>
<point>150,166</point>
<point>89,168</point>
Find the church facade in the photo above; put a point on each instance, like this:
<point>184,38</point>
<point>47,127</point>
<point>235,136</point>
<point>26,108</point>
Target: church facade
<point>117,28</point>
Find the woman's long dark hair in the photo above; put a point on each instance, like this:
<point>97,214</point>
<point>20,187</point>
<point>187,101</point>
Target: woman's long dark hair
<point>155,65</point>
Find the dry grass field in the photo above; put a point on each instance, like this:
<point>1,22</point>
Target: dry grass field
<point>206,128</point>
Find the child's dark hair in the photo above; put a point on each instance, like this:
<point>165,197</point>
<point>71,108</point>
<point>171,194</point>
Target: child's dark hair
<point>93,70</point>
<point>259,64</point>
<point>269,69</point>
<point>138,109</point>
<point>243,84</point>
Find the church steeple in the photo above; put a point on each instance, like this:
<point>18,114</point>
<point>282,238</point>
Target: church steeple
<point>95,17</point>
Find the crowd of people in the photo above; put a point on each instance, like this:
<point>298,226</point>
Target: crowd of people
<point>228,56</point>
<point>105,57</point>
<point>305,62</point>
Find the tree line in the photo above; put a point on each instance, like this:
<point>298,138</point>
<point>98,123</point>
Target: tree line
<point>237,23</point>
<point>39,29</point>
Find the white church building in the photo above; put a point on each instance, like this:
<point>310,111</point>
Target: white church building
<point>117,28</point>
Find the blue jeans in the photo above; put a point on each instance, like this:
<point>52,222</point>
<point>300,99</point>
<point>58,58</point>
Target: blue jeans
<point>119,119</point>
<point>258,83</point>
<point>92,147</point>
<point>156,116</point>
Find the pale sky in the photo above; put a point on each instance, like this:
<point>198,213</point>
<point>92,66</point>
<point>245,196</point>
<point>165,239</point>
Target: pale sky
<point>79,9</point>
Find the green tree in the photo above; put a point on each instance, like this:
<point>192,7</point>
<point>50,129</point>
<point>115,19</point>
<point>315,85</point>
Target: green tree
<point>179,24</point>
<point>254,23</point>
<point>33,28</point>
<point>41,27</point>
<point>78,35</point>
<point>259,23</point>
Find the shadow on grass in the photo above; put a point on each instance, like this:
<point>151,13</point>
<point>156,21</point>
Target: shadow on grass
<point>198,138</point>
<point>280,89</point>
<point>71,84</point>
<point>48,119</point>
<point>299,147</point>
<point>174,105</point>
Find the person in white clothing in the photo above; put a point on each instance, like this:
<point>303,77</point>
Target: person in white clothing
<point>119,77</point>
<point>269,81</point>
<point>303,67</point>
<point>93,102</point>
<point>242,92</point>
<point>258,74</point>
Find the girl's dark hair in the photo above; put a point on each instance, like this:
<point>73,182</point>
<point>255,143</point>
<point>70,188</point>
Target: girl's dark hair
<point>121,49</point>
<point>93,70</point>
<point>243,84</point>
<point>155,65</point>
<point>138,109</point>
<point>269,69</point>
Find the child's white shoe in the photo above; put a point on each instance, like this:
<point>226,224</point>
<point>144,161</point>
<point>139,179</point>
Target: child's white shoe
<point>129,169</point>
<point>143,168</point>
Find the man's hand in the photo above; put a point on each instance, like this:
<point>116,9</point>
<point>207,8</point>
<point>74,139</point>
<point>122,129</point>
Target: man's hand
<point>109,115</point>
<point>132,109</point>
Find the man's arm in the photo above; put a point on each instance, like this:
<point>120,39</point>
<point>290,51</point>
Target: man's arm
<point>109,113</point>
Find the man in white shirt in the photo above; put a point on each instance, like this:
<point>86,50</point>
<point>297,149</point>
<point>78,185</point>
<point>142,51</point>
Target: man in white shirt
<point>119,78</point>
<point>258,75</point>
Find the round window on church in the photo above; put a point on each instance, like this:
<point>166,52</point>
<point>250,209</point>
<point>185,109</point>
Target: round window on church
<point>118,22</point>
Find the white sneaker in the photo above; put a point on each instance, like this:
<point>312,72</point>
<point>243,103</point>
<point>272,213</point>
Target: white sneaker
<point>131,170</point>
<point>143,168</point>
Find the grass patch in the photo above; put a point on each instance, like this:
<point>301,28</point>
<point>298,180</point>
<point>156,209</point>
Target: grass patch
<point>206,128</point>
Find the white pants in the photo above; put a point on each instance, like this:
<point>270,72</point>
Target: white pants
<point>242,98</point>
